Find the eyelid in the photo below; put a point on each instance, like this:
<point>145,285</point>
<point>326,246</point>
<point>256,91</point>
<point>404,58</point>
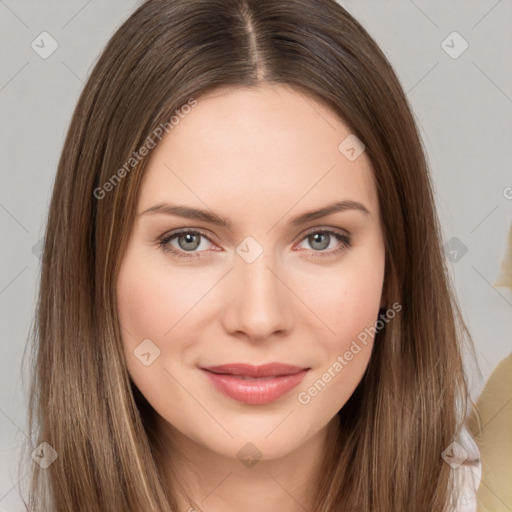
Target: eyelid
<point>314,229</point>
<point>166,237</point>
<point>175,232</point>
<point>319,229</point>
<point>178,231</point>
<point>343,237</point>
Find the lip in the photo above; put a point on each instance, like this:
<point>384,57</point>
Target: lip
<point>254,385</point>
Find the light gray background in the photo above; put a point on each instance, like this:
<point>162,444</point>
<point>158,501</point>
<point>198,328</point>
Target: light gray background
<point>463,107</point>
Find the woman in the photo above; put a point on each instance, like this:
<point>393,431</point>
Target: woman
<point>254,369</point>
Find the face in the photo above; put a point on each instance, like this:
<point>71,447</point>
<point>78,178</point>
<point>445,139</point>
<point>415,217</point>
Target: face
<point>267,285</point>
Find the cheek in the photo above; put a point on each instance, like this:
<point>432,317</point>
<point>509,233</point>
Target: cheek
<point>347,301</point>
<point>350,309</point>
<point>151,299</point>
<point>141,304</point>
<point>347,297</point>
<point>357,303</point>
<point>150,307</point>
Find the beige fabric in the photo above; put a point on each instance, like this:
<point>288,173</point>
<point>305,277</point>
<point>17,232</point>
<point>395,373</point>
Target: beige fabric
<point>505,277</point>
<point>491,427</point>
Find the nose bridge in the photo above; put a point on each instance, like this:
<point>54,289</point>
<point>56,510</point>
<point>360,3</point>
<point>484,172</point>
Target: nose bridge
<point>258,278</point>
<point>259,302</point>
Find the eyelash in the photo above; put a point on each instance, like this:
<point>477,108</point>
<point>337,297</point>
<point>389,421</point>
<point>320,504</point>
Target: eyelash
<point>164,242</point>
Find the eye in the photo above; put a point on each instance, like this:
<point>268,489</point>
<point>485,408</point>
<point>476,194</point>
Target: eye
<point>321,239</point>
<point>187,240</point>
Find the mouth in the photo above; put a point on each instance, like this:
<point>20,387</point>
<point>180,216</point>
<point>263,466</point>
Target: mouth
<point>254,385</point>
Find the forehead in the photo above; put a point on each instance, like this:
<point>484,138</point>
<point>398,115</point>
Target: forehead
<point>264,148</point>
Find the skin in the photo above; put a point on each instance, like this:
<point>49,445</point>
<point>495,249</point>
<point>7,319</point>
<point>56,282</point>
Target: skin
<point>257,157</point>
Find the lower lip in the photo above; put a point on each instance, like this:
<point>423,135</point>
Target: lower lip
<point>256,391</point>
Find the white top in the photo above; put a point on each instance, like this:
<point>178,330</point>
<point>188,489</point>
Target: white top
<point>466,471</point>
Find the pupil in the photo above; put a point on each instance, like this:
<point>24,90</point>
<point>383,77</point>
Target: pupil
<point>189,239</point>
<point>317,238</point>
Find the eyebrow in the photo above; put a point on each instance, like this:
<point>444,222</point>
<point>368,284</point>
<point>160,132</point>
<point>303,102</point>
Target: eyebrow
<point>212,218</point>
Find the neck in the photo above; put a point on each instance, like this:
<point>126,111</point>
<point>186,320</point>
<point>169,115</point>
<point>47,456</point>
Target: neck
<point>205,480</point>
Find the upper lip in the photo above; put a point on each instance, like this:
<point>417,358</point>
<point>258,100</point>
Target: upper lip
<point>249,370</point>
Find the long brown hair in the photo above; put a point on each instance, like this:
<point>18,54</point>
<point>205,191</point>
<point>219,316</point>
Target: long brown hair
<point>412,399</point>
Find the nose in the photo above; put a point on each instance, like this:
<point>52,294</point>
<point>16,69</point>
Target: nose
<point>258,302</point>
